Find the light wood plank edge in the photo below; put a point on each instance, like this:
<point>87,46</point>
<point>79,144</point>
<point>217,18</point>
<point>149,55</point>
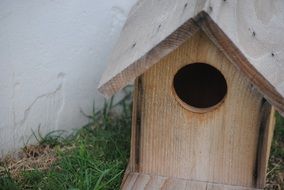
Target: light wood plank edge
<point>139,181</point>
<point>162,49</point>
<point>223,42</point>
<point>267,123</point>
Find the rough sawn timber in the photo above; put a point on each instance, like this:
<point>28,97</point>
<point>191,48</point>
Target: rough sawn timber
<point>253,28</point>
<point>228,145</point>
<point>140,181</point>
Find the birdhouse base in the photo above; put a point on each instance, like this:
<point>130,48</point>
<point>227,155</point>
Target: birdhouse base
<point>139,181</point>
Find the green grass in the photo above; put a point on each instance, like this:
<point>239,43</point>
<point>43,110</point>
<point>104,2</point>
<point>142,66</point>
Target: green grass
<point>275,175</point>
<point>95,156</point>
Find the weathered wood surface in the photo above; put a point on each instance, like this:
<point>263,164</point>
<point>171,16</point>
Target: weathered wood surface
<point>220,146</point>
<point>136,131</point>
<point>240,61</point>
<point>254,27</point>
<point>266,129</point>
<point>140,181</point>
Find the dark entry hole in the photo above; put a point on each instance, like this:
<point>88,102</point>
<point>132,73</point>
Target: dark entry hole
<point>200,85</point>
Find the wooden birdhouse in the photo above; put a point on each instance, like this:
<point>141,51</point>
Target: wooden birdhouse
<point>208,75</point>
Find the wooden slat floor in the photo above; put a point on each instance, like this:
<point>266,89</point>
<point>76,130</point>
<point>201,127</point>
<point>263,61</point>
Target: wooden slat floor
<point>139,181</point>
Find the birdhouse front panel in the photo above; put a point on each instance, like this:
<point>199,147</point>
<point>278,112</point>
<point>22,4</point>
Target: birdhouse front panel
<point>197,117</point>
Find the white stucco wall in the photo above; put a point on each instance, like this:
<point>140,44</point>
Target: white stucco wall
<point>52,55</point>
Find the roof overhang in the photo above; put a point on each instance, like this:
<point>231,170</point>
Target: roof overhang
<point>147,38</point>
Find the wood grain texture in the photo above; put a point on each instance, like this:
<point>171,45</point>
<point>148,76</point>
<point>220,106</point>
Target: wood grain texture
<point>136,127</point>
<point>153,56</point>
<point>267,123</point>
<point>239,60</point>
<point>219,146</point>
<point>254,27</point>
<point>140,181</point>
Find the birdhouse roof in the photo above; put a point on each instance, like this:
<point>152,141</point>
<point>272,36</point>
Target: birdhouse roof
<point>249,33</point>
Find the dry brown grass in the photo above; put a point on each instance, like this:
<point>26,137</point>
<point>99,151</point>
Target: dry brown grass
<point>31,157</point>
<point>275,174</point>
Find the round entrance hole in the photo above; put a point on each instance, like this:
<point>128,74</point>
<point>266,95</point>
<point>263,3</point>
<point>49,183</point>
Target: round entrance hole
<point>199,86</point>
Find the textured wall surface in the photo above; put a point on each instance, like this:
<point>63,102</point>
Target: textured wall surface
<point>52,55</point>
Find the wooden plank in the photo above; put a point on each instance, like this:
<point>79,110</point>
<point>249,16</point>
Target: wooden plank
<point>109,87</point>
<point>136,126</point>
<point>219,146</point>
<point>223,42</point>
<point>129,181</point>
<point>140,181</point>
<point>267,123</point>
<point>254,27</point>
